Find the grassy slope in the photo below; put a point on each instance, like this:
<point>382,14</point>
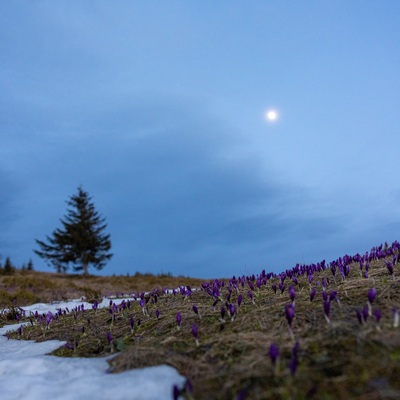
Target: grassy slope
<point>24,287</point>
<point>338,360</point>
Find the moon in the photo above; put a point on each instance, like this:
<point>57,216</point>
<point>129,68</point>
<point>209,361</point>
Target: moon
<point>271,115</point>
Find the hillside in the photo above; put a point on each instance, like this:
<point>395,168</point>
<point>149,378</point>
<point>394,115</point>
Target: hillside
<point>323,331</point>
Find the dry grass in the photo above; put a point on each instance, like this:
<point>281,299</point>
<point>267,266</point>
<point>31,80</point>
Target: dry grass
<point>338,360</point>
<point>28,287</point>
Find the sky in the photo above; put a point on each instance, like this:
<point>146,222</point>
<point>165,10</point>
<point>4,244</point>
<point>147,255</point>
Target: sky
<point>157,109</point>
<point>27,372</point>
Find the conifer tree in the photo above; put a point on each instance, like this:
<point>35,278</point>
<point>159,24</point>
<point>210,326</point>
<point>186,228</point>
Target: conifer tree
<point>8,267</point>
<point>30,265</point>
<point>80,241</point>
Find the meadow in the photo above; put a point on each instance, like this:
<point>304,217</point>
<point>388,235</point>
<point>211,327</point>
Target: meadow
<point>325,331</point>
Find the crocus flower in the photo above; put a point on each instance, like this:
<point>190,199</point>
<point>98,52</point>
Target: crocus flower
<point>239,300</point>
<point>292,293</point>
<point>312,293</point>
<point>389,266</point>
<point>110,341</point>
<point>327,308</point>
<point>196,310</point>
<point>195,333</point>
<point>274,354</point>
<point>324,282</point>
<point>176,392</point>
<point>232,310</point>
<point>188,386</point>
<point>131,323</point>
<point>289,311</point>
<point>371,298</point>
<point>274,288</point>
<point>49,317</point>
<point>223,314</point>
<point>251,296</point>
<point>251,286</point>
<point>178,320</point>
<point>371,295</point>
<point>365,313</point>
<point>241,394</point>
<point>377,315</point>
<point>281,287</point>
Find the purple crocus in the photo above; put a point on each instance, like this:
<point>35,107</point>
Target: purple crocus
<point>49,317</point>
<point>239,300</point>
<point>176,392</point>
<point>365,313</point>
<point>327,308</point>
<point>289,311</point>
<point>274,354</point>
<point>232,310</point>
<point>251,296</point>
<point>312,293</point>
<point>178,320</point>
<point>142,304</point>
<point>281,287</point>
<point>389,266</point>
<point>223,310</point>
<point>131,324</point>
<point>110,341</point>
<point>196,310</point>
<point>251,285</point>
<point>274,288</point>
<point>371,295</point>
<point>195,333</point>
<point>377,315</point>
<point>292,293</point>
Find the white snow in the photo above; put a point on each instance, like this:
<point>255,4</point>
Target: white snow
<point>26,372</point>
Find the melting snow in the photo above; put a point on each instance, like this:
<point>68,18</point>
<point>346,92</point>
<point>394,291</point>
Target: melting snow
<point>26,372</point>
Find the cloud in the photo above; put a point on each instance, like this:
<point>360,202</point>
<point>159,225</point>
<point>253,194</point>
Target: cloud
<point>180,189</point>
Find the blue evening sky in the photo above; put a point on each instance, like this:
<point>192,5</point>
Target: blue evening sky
<point>157,109</point>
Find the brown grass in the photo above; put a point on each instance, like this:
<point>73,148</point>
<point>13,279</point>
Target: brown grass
<point>340,360</point>
<point>29,287</point>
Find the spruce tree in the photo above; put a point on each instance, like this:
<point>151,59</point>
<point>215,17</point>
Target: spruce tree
<point>30,265</point>
<point>8,267</point>
<point>80,241</point>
